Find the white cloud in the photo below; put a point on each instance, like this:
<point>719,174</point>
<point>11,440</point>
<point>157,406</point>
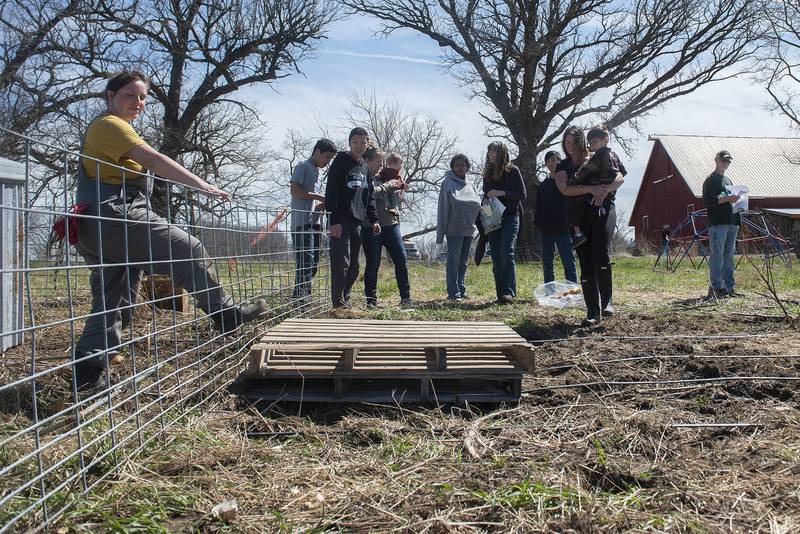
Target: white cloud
<point>366,55</point>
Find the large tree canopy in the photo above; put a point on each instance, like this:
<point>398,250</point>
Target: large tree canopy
<point>543,65</point>
<point>199,53</point>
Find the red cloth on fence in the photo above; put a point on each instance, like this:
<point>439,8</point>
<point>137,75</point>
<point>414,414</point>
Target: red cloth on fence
<point>61,225</point>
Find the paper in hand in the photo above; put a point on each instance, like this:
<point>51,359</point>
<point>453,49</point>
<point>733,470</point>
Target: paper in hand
<point>741,204</point>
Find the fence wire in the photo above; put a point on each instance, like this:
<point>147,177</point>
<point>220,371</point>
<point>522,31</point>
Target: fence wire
<point>165,356</point>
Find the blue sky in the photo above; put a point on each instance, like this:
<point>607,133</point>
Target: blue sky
<point>406,66</point>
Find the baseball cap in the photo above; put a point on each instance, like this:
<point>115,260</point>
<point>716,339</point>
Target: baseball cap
<point>724,155</point>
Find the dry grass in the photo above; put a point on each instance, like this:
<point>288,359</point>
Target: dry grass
<point>606,457</point>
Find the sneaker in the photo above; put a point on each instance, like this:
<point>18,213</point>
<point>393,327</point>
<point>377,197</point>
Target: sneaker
<point>589,322</point>
<point>407,304</point>
<point>372,304</point>
<point>249,312</point>
<point>506,299</point>
<point>733,293</point>
<point>578,240</point>
<point>716,294</point>
<point>608,311</point>
<point>231,319</point>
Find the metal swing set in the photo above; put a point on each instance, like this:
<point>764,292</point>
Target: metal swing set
<point>689,240</point>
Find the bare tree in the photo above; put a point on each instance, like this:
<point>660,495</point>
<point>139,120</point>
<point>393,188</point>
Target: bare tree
<point>542,65</point>
<point>198,54</point>
<point>782,57</point>
<point>424,143</point>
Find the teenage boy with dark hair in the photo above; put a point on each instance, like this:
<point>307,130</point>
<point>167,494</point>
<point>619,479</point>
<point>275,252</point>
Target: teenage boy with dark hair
<point>305,217</point>
<point>601,169</point>
<point>350,200</point>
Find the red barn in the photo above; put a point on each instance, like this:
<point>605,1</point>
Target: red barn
<point>672,185</point>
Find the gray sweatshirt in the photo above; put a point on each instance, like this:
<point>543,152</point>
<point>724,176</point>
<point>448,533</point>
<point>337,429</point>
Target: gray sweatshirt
<point>459,204</point>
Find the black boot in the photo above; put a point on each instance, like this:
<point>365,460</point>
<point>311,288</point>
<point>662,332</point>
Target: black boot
<point>87,374</point>
<point>604,284</point>
<point>592,300</point>
<point>228,320</point>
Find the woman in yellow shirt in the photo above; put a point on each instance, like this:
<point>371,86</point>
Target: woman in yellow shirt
<point>112,184</point>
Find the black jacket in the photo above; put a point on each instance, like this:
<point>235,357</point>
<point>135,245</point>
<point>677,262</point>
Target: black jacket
<point>550,216</point>
<point>511,182</point>
<point>346,177</point>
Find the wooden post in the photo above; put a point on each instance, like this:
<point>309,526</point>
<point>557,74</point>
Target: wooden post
<point>523,355</point>
<point>424,389</point>
<point>436,358</point>
<point>258,359</point>
<point>338,387</point>
<point>348,359</point>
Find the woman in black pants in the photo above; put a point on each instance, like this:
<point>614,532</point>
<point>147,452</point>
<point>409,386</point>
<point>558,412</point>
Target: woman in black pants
<point>598,223</point>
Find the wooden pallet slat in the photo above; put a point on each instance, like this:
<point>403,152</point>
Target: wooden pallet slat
<point>353,360</point>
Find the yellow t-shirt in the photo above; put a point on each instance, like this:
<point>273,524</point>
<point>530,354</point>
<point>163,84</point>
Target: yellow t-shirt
<point>108,139</point>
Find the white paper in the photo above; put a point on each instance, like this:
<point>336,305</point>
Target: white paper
<point>741,204</point>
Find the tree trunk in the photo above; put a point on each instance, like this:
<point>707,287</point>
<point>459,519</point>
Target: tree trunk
<point>529,243</point>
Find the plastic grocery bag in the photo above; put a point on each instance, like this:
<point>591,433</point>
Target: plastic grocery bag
<point>491,216</point>
<point>560,294</point>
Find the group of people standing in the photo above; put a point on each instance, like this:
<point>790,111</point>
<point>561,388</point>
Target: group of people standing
<point>363,192</point>
<point>574,210</point>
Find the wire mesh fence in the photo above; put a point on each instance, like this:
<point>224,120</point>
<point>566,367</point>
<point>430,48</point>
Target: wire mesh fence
<point>109,341</point>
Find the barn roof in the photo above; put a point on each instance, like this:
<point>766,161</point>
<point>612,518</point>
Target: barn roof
<point>769,166</point>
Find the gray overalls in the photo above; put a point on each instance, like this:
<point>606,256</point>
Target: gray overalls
<point>141,240</point>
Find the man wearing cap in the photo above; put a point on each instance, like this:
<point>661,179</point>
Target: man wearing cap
<point>723,227</point>
<point>550,217</point>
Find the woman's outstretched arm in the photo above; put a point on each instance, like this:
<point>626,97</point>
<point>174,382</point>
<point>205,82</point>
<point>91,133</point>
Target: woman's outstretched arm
<point>168,168</point>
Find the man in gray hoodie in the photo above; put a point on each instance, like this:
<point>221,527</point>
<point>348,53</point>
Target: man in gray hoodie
<point>459,204</point>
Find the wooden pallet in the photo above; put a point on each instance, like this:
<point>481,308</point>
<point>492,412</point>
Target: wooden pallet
<point>386,361</point>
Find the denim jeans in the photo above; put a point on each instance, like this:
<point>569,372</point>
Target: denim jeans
<point>722,238</point>
<point>564,244</point>
<point>391,238</point>
<point>305,240</point>
<point>503,241</point>
<point>345,262</point>
<point>457,258</point>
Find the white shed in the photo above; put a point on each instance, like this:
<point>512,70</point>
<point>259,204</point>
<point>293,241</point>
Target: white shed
<point>12,193</point>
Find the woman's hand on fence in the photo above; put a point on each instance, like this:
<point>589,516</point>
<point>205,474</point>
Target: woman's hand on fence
<point>214,191</point>
<point>376,229</point>
<point>336,231</point>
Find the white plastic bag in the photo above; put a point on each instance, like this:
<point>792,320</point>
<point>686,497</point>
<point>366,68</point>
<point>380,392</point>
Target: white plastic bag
<point>498,206</point>
<point>491,218</point>
<point>559,294</point>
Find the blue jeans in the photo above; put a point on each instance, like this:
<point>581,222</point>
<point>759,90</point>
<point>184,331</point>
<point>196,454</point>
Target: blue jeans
<point>391,238</point>
<point>503,241</point>
<point>722,238</point>
<point>305,240</point>
<point>457,258</point>
<point>561,241</point>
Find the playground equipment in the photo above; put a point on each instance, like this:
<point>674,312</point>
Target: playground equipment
<point>689,240</point>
